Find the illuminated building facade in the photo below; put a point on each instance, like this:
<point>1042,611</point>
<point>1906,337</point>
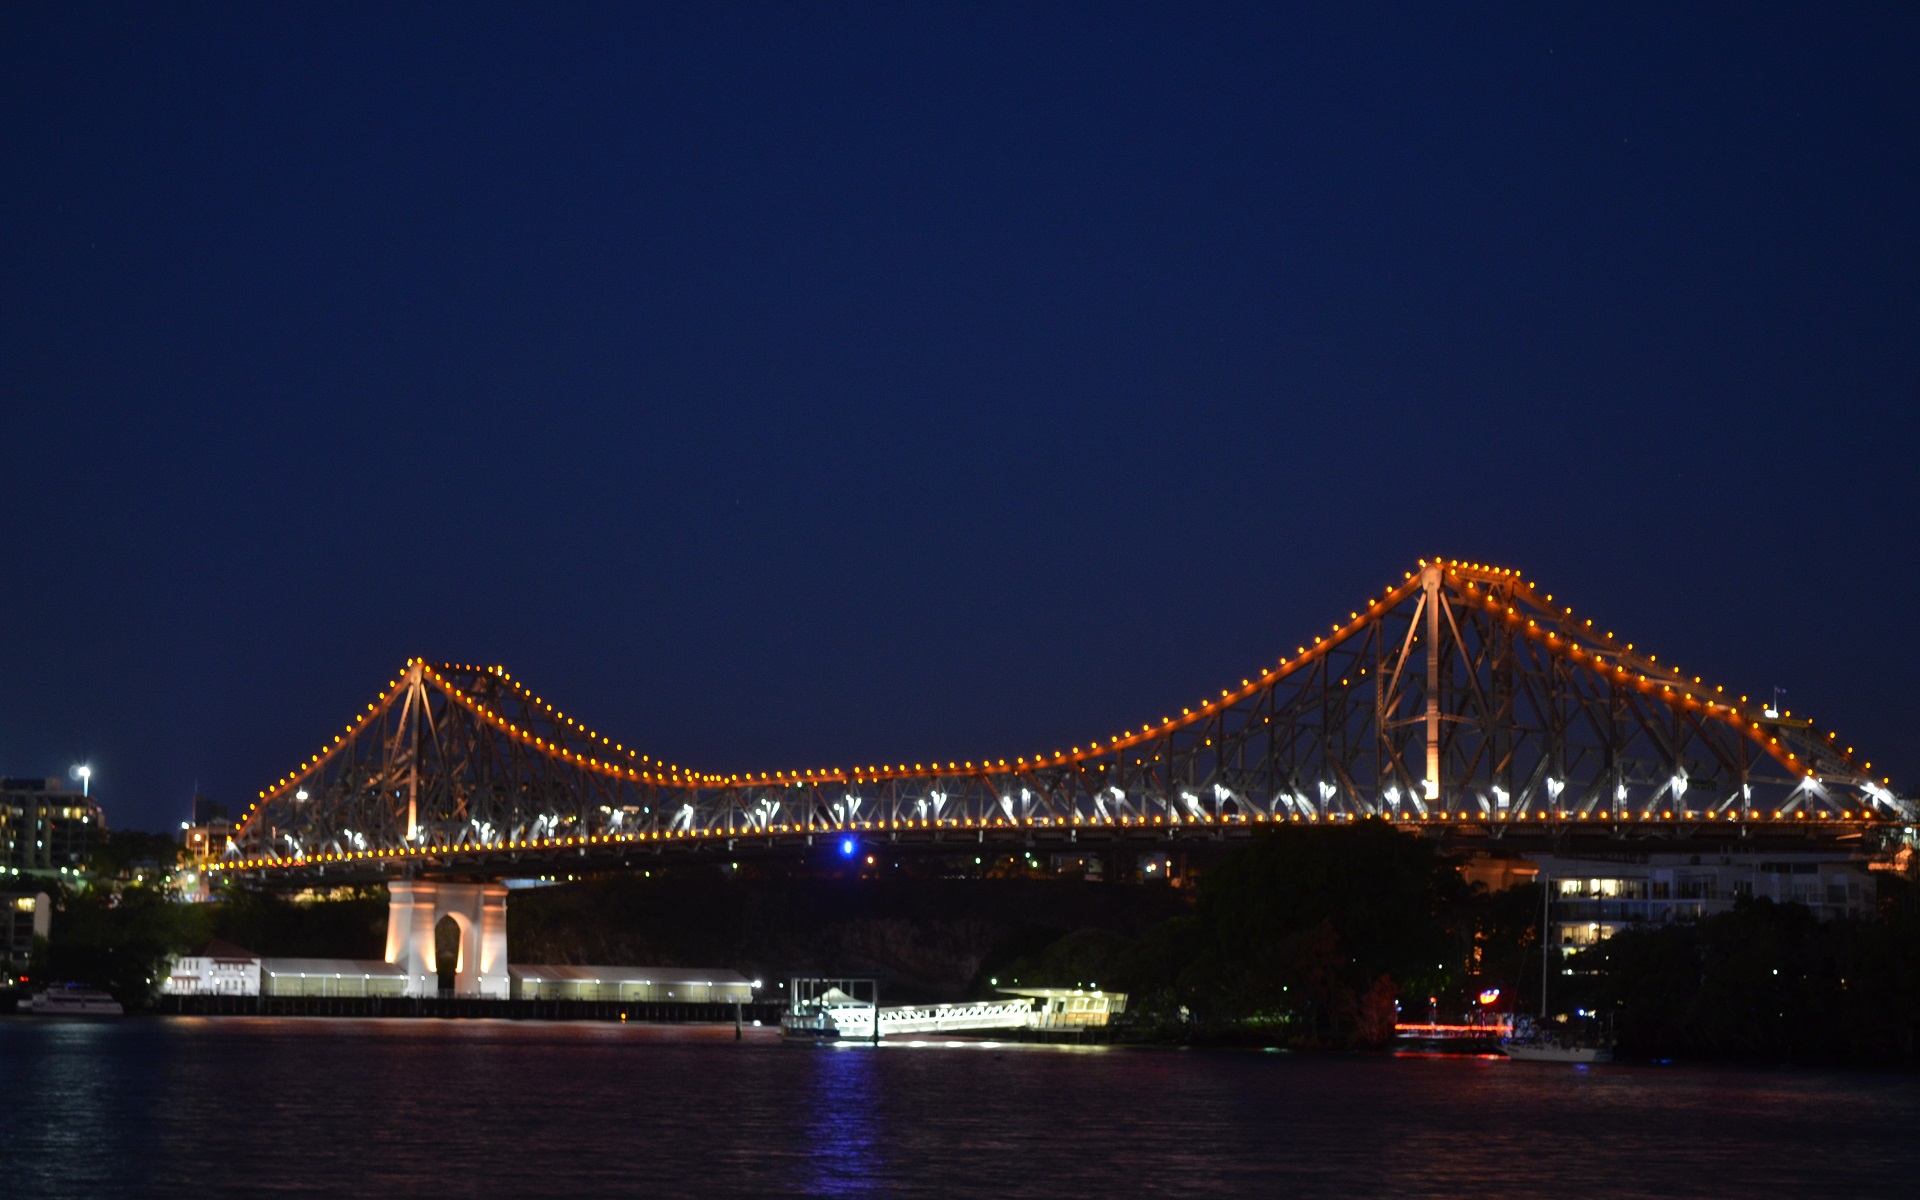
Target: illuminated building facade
<point>223,969</point>
<point>635,985</point>
<point>218,968</point>
<point>352,978</point>
<point>202,841</point>
<point>46,827</point>
<point>1591,899</point>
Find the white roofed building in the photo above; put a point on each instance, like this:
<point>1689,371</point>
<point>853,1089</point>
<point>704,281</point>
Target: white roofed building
<point>353,977</point>
<point>635,985</point>
<point>218,968</point>
<point>223,969</point>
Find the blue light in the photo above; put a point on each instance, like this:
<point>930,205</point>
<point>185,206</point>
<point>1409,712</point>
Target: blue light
<point>846,847</point>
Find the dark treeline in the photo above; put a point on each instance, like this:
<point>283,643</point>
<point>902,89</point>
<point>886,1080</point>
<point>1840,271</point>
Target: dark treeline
<point>121,939</point>
<point>932,938</point>
<point>1308,937</point>
<point>125,853</point>
<point>1768,983</point>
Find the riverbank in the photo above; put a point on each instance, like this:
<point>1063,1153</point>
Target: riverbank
<point>766,1012</point>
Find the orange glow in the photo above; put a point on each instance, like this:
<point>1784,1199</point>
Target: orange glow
<point>1493,591</point>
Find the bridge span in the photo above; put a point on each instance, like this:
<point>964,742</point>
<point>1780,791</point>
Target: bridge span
<point>1463,701</point>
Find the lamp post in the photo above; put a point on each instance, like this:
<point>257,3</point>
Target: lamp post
<point>84,773</point>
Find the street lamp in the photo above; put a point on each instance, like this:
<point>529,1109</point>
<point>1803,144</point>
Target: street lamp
<point>83,773</point>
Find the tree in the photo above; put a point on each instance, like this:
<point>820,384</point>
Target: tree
<point>121,941</point>
<point>1307,934</point>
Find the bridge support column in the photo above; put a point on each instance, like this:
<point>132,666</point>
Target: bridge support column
<point>415,909</point>
<point>1430,584</point>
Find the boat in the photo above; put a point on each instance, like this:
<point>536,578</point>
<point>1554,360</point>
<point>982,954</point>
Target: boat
<point>1548,1052</point>
<point>826,1015</point>
<point>1533,1041</point>
<point>71,1000</point>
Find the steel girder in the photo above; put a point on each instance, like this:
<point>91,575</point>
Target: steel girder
<point>1461,697</point>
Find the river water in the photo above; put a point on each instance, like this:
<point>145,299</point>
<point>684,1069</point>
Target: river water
<point>259,1106</point>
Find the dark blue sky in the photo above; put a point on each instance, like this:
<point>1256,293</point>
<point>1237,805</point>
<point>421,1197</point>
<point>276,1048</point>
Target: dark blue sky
<point>786,385</point>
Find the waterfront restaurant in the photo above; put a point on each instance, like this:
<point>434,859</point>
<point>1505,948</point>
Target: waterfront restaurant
<point>634,985</point>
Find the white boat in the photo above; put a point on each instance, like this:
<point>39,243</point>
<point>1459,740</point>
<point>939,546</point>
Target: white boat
<point>1548,1052</point>
<point>826,1016</point>
<point>1533,1041</point>
<point>71,1001</point>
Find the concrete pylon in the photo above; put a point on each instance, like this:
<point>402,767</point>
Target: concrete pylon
<point>416,907</point>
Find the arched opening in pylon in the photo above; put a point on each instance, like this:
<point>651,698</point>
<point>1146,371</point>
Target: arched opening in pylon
<point>449,951</point>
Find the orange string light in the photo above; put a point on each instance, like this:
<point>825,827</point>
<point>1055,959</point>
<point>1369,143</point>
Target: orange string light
<point>1672,690</point>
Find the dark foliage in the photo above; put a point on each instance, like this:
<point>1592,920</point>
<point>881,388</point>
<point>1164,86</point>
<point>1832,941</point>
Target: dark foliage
<point>124,852</point>
<point>1307,935</point>
<point>933,939</point>
<point>273,925</point>
<point>1768,983</point>
<point>120,940</point>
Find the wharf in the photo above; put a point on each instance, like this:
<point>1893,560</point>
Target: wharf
<point>646,1012</point>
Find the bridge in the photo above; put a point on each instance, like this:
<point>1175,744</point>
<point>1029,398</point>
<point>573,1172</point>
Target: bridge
<point>1463,702</point>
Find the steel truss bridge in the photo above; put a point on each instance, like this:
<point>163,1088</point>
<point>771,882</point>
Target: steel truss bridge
<point>1462,701</point>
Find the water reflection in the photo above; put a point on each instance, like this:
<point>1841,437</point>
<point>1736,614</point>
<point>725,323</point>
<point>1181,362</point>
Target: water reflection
<point>263,1107</point>
<point>841,1119</point>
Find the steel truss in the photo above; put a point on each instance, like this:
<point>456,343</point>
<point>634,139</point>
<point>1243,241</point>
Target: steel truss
<point>1461,698</point>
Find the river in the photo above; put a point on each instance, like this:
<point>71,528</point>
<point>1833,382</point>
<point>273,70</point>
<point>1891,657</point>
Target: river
<point>317,1107</point>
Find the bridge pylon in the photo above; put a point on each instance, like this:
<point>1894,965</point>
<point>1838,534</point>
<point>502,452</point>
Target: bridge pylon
<point>415,909</point>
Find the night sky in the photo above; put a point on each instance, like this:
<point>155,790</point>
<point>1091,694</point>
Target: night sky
<point>799,385</point>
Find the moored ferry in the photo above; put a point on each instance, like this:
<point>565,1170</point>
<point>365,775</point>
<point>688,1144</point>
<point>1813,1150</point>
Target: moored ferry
<point>71,1000</point>
<point>1531,1042</point>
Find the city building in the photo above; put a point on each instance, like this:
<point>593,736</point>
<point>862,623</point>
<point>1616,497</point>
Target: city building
<point>1591,898</point>
<point>203,840</point>
<point>46,827</point>
<point>26,916</point>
